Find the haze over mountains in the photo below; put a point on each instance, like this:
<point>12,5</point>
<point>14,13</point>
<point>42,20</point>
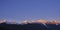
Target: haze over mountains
<point>30,25</point>
<point>32,21</point>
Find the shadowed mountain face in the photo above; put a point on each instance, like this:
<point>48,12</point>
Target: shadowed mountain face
<point>29,26</point>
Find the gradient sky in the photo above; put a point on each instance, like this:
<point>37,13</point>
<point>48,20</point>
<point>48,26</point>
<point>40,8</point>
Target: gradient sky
<point>29,9</point>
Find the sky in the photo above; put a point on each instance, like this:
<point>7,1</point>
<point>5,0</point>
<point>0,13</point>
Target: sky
<point>29,9</point>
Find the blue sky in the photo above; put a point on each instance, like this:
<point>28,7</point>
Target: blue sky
<point>29,9</point>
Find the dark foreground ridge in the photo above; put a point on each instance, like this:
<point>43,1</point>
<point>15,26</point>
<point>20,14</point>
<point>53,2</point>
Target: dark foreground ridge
<point>29,26</point>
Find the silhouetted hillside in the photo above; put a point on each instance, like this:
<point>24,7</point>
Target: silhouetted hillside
<point>29,26</point>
